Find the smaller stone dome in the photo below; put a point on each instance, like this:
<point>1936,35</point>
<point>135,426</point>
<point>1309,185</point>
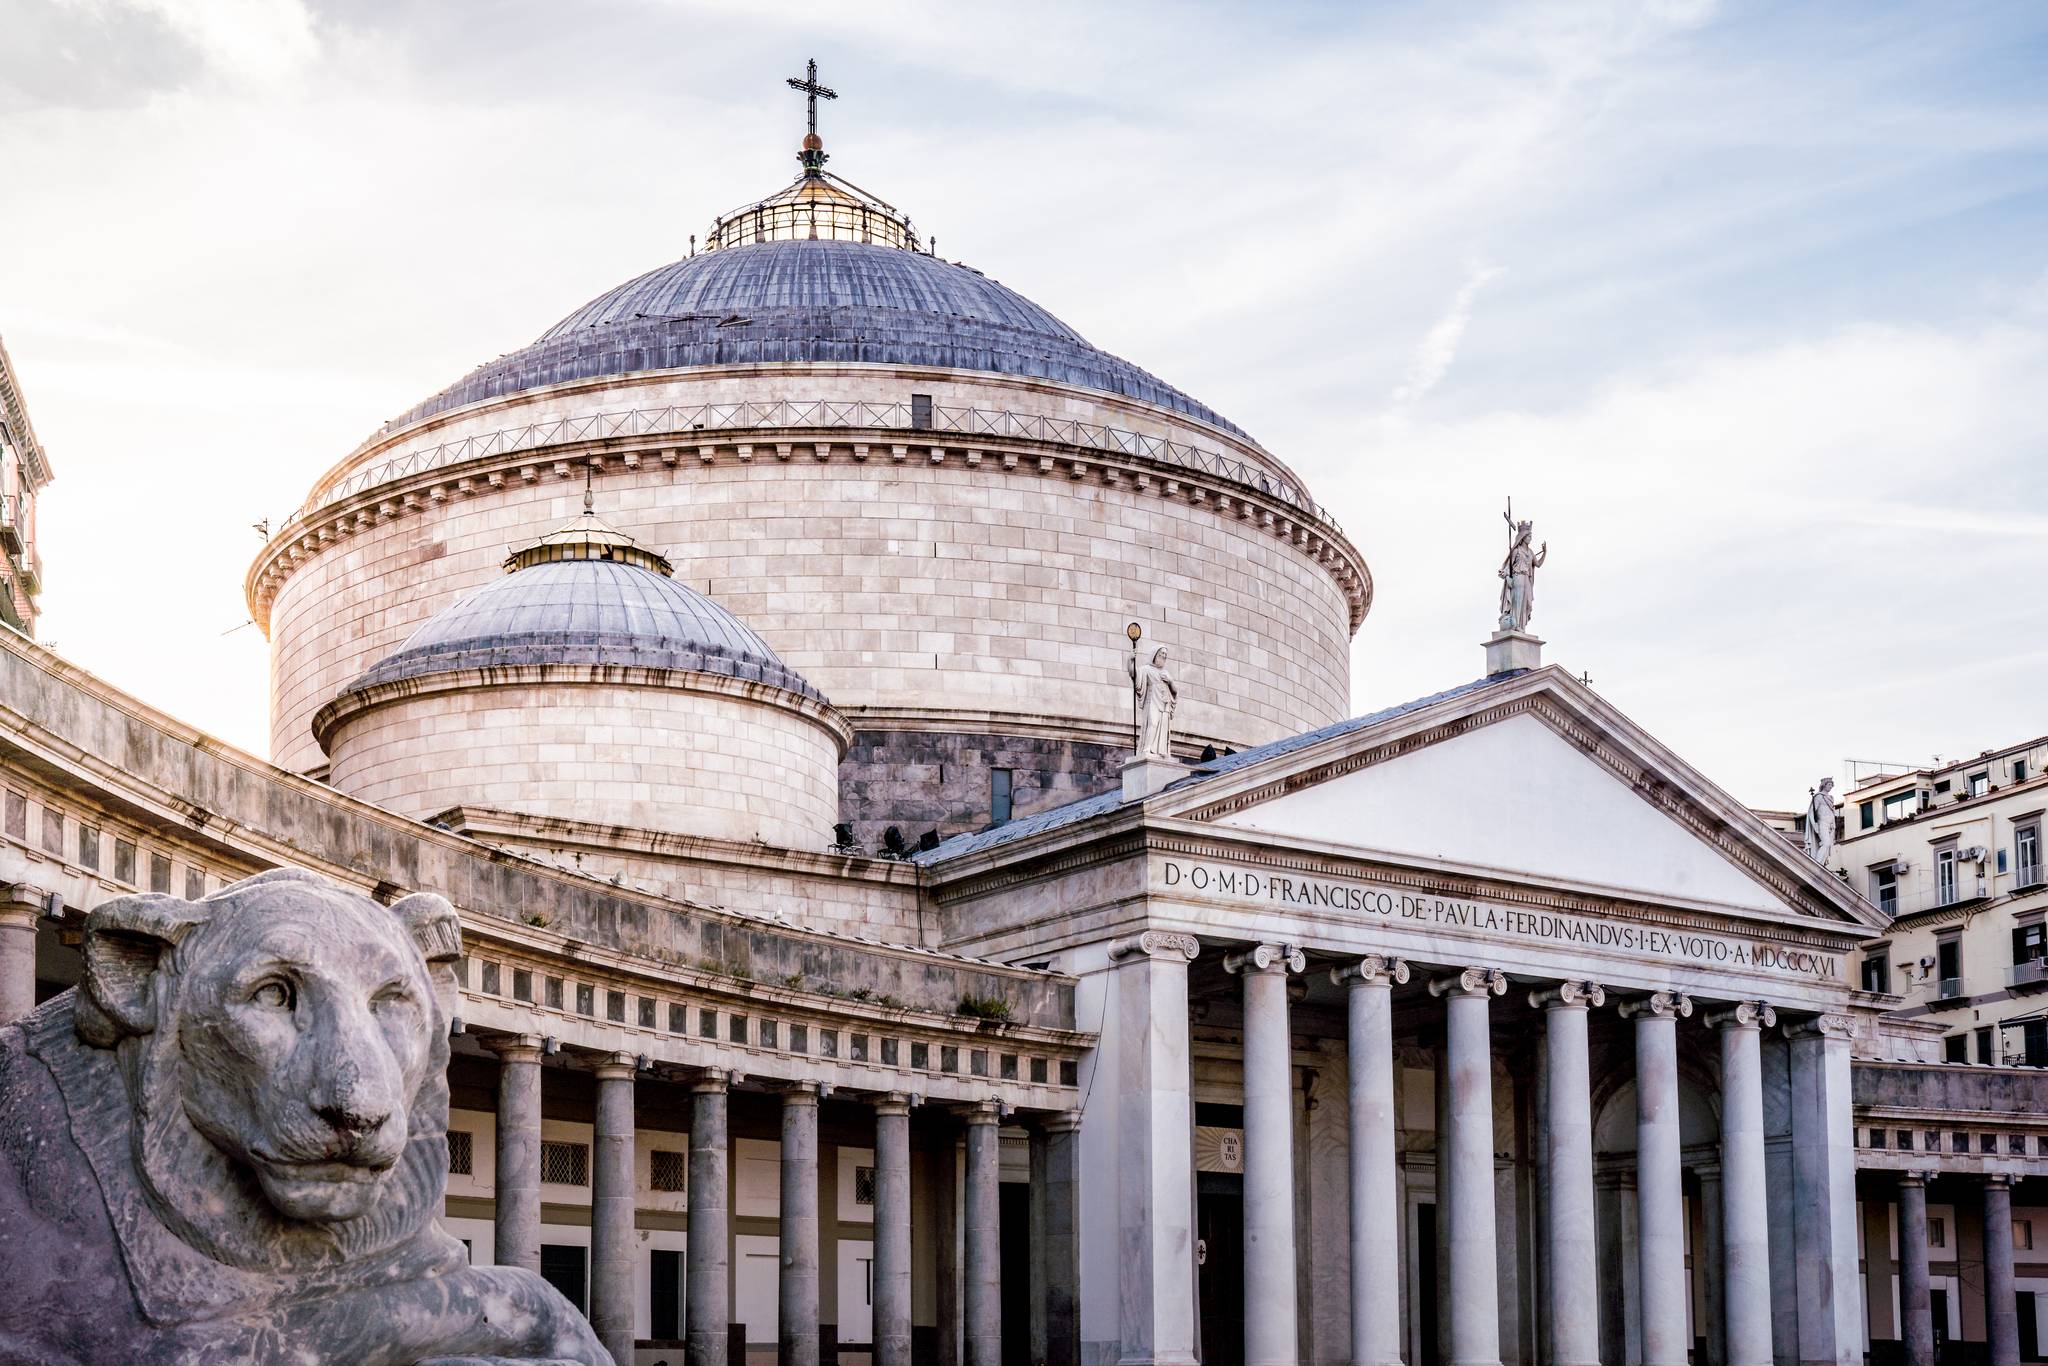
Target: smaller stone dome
<point>587,685</point>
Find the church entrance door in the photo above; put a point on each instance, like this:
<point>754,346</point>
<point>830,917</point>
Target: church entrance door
<point>1219,1224</point>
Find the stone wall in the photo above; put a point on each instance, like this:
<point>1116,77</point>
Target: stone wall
<point>907,581</point>
<point>703,762</point>
<point>920,780</point>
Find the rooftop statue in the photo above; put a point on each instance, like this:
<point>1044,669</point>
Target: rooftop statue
<point>1820,823</point>
<point>1518,574</point>
<point>229,1143</point>
<point>1157,697</point>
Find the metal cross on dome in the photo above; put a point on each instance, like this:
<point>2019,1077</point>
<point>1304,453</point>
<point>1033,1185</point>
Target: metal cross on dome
<point>812,91</point>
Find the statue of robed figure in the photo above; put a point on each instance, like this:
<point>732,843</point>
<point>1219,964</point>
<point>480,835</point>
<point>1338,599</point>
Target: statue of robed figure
<point>1820,823</point>
<point>1518,573</point>
<point>1157,696</point>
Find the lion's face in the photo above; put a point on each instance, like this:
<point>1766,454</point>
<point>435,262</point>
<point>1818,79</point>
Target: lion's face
<point>304,1038</point>
<point>291,1023</point>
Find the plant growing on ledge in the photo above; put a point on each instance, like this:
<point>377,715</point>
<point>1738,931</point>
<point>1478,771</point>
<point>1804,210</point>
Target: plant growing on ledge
<point>988,1009</point>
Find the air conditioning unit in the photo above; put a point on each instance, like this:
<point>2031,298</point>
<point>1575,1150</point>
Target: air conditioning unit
<point>1975,853</point>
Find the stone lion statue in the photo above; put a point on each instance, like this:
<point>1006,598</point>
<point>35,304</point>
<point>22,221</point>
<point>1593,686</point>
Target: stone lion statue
<point>228,1144</point>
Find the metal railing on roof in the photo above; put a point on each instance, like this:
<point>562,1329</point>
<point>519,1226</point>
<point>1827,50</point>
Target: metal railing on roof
<point>686,420</point>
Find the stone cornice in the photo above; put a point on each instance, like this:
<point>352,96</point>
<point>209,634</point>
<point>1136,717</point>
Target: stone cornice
<point>319,529</point>
<point>355,702</point>
<point>975,721</point>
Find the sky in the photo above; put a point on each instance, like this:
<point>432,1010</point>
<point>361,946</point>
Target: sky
<point>1746,305</point>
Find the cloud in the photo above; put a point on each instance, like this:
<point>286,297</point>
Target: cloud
<point>1439,345</point>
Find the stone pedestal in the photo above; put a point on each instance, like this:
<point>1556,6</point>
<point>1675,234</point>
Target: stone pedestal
<point>1143,777</point>
<point>517,1189</point>
<point>611,1208</point>
<point>1507,651</point>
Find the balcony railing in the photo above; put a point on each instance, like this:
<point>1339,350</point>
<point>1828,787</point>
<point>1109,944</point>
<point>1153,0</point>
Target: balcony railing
<point>687,421</point>
<point>10,523</point>
<point>1949,988</point>
<point>2031,974</point>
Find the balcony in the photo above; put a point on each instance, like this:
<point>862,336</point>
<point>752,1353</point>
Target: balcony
<point>2029,976</point>
<point>1949,988</point>
<point>10,523</point>
<point>32,574</point>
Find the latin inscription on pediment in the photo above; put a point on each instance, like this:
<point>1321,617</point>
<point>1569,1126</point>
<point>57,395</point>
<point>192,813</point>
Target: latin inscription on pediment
<point>1507,924</point>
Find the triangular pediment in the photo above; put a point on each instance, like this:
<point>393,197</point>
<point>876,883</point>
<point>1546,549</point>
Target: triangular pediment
<point>1535,780</point>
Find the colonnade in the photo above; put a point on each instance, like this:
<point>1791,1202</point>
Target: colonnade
<point>1814,1300</point>
<point>707,1274</point>
<point>1916,1312</point>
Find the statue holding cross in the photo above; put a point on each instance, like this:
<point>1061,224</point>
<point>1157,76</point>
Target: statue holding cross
<point>813,154</point>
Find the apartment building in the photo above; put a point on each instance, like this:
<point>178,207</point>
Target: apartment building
<point>1953,853</point>
<point>24,471</point>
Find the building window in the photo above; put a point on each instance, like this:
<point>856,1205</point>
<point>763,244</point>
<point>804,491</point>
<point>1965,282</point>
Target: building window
<point>565,1164</point>
<point>493,978</point>
<point>2034,1037</point>
<point>1980,783</point>
<point>1884,888</point>
<point>921,412</point>
<point>891,1052</point>
<point>920,1056</point>
<point>999,804</point>
<point>2019,770</point>
<point>461,1153</point>
<point>647,1010</point>
<point>53,832</point>
<point>1987,1143</point>
<point>799,1038</point>
<point>949,1057</point>
<point>2023,1234</point>
<point>1877,1140</point>
<point>1038,1071</point>
<point>160,873</point>
<point>735,1029</point>
<point>2029,942</point>
<point>1009,1067</point>
<point>1877,972</point>
<point>857,1047</point>
<point>1948,958</point>
<point>89,848</point>
<point>678,1018</point>
<point>552,987</point>
<point>2026,854</point>
<point>707,1024</point>
<point>124,862</point>
<point>977,1062</point>
<point>195,884</point>
<point>769,1031</point>
<point>1987,1054</point>
<point>1956,1048</point>
<point>586,999</point>
<point>828,1043</point>
<point>1937,1231</point>
<point>1901,805</point>
<point>1070,1072</point>
<point>17,815</point>
<point>562,1267</point>
<point>667,1169</point>
<point>1945,876</point>
<point>863,1185</point>
<point>2016,1144</point>
<point>1866,815</point>
<point>615,1006</point>
<point>522,984</point>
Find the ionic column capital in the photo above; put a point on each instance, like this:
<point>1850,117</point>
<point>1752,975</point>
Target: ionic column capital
<point>1660,1005</point>
<point>1373,970</point>
<point>800,1093</point>
<point>1741,1015</point>
<point>616,1067</point>
<point>1570,994</point>
<point>1155,944</point>
<point>894,1103</point>
<point>1820,1026</point>
<point>1277,958</point>
<point>710,1080</point>
<point>1471,982</point>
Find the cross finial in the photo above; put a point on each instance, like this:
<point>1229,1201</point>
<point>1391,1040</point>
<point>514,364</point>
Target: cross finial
<point>813,153</point>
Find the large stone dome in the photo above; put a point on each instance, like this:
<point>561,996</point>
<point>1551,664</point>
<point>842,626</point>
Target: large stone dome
<point>811,301</point>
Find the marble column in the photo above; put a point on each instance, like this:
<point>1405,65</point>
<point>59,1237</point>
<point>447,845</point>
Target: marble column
<point>707,1247</point>
<point>1707,1262</point>
<point>796,1302</point>
<point>1660,1179</point>
<point>1062,1254</point>
<point>2001,1312</point>
<point>21,907</point>
<point>1745,1203</point>
<point>892,1231</point>
<point>1375,1187</point>
<point>516,1192</point>
<point>1465,1167</point>
<point>983,1312</point>
<point>611,1208</point>
<point>1572,1262</point>
<point>1916,1309</point>
<point>1825,1248</point>
<point>1270,1305</point>
<point>1155,1176</point>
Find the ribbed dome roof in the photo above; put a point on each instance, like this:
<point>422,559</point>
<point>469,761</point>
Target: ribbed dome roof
<point>812,301</point>
<point>586,611</point>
